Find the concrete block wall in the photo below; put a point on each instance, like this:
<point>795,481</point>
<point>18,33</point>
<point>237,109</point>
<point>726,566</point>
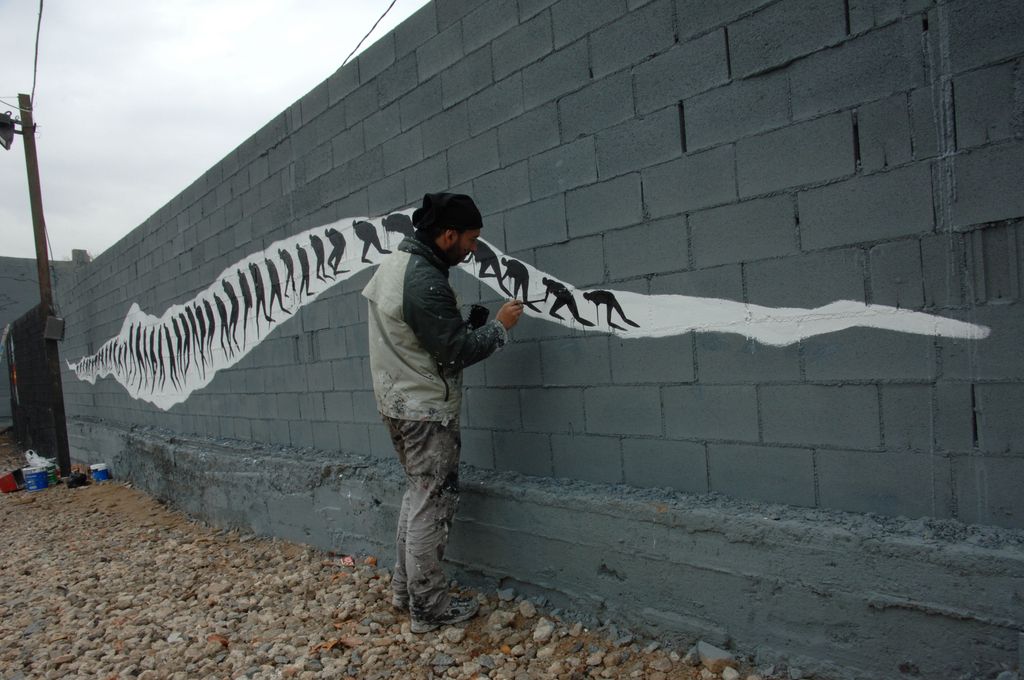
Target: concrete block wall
<point>783,153</point>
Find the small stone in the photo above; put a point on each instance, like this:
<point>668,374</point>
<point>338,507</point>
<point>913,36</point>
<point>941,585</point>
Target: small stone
<point>507,594</point>
<point>500,619</point>
<point>713,658</point>
<point>64,658</point>
<point>518,650</point>
<point>612,659</point>
<point>543,630</point>
<point>754,676</point>
<point>652,647</point>
<point>1007,675</point>
<point>527,609</point>
<point>486,662</point>
<point>442,661</point>
<point>661,664</point>
<point>576,630</point>
<point>454,635</point>
<point>595,659</point>
<point>730,673</point>
<point>547,651</point>
<point>795,673</point>
<point>705,674</point>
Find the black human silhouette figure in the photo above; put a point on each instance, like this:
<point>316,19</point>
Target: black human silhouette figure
<point>398,223</point>
<point>197,343</point>
<point>233,314</point>
<point>275,287</point>
<point>606,297</point>
<point>489,263</point>
<point>563,298</point>
<point>152,359</point>
<point>201,337</point>
<point>170,358</point>
<point>337,240</point>
<point>515,270</point>
<point>177,343</point>
<point>211,327</point>
<point>318,250</point>
<point>367,233</point>
<point>304,268</point>
<point>225,329</point>
<point>160,354</point>
<point>289,267</point>
<point>246,301</point>
<point>188,341</point>
<point>261,299</point>
<point>137,351</point>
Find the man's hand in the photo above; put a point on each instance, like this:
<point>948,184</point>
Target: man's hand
<point>509,313</point>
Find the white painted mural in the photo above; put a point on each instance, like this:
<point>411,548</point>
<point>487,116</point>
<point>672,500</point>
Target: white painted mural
<point>164,359</point>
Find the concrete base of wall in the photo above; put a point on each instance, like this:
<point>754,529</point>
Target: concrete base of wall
<point>839,594</point>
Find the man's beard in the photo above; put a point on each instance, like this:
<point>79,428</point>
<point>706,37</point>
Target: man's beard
<point>452,257</point>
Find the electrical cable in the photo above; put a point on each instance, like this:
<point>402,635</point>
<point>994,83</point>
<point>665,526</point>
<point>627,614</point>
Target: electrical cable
<point>35,64</point>
<point>364,37</point>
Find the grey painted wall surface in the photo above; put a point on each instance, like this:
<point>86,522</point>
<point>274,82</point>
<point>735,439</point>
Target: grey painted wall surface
<point>786,153</point>
<point>19,292</point>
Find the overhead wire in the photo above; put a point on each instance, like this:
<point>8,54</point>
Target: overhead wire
<point>372,28</point>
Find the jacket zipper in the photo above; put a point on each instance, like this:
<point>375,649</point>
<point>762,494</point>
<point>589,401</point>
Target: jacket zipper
<point>440,373</point>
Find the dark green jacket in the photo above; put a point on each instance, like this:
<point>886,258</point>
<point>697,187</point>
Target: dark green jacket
<point>419,342</point>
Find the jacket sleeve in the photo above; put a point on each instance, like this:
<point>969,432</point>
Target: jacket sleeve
<point>433,316</point>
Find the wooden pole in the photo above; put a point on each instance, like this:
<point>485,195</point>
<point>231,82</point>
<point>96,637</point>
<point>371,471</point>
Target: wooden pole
<point>45,291</point>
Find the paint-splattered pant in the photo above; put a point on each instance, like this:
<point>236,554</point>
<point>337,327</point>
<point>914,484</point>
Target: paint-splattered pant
<point>429,453</point>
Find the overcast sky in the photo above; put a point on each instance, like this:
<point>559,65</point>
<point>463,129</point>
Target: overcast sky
<point>137,98</point>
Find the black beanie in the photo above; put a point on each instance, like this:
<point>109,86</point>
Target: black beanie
<point>455,211</point>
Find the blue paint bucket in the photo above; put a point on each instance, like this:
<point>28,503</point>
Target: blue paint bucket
<point>36,478</point>
<point>100,472</point>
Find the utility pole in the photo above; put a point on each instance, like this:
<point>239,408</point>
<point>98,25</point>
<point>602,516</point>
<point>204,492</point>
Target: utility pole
<point>28,132</point>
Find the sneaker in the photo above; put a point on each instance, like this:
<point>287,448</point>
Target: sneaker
<point>459,609</point>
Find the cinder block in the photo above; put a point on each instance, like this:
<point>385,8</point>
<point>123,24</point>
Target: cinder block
<point>884,133</point>
<point>896,278</point>
<point>529,454</point>
<point>809,280</point>
<point>985,104</point>
<point>488,21</point>
<point>467,76</point>
<point>528,134</point>
<point>451,11</point>
<point>623,410</point>
<point>575,18</point>
<point>683,71</point>
<point>364,407</point>
<point>325,436</point>
<point>639,143</point>
<point>361,102</point>
<point>697,16</point>
<point>744,231</point>
<point>732,358</point>
<point>660,463</point>
<point>575,361</point>
<point>314,102</point>
<point>338,406</point>
<point>518,363</point>
<point>386,195</point>
<point>711,412</point>
<point>311,404</point>
<point>868,208</point>
<point>927,417</point>
<point>529,8</point>
<point>741,108</point>
<point>626,257</point>
<point>692,182</point>
<point>348,373</point>
<point>988,182</point>
<point>605,205</point>
<point>415,30</point>
<point>993,260</point>
<point>1000,427</point>
<point>580,262</point>
<point>911,485</point>
<point>536,223</point>
<point>871,66</point>
<point>764,473</point>
<point>496,104</point>
<point>376,58</point>
<point>422,103</point>
<point>591,459</point>
<point>597,106</point>
<point>319,376</point>
<point>402,151</point>
<point>942,265</point>
<point>821,415</point>
<point>396,80</point>
<point>439,52</point>
<point>342,82</point>
<point>651,360</point>
<point>523,45</point>
<point>563,71</point>
<point>477,448</point>
<point>300,433</point>
<point>354,438</point>
<point>869,354</point>
<point>425,177</point>
<point>640,34</point>
<point>553,409</point>
<point>815,151</point>
<point>784,31</point>
<point>502,189</point>
<point>492,408</point>
<point>473,157</point>
<point>985,31</point>
<point>445,129</point>
<point>562,168</point>
<point>715,282</point>
<point>988,490</point>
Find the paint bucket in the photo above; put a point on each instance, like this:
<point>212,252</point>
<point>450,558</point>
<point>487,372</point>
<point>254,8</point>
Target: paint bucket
<point>35,478</point>
<point>100,472</point>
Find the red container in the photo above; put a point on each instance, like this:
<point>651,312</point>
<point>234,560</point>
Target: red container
<point>9,482</point>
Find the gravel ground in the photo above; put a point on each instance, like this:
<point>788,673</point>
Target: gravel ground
<point>104,582</point>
